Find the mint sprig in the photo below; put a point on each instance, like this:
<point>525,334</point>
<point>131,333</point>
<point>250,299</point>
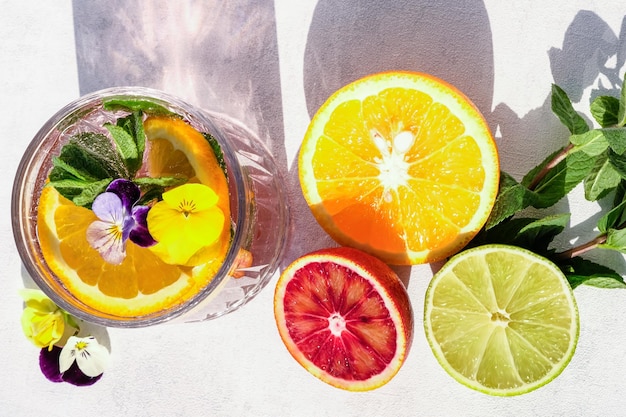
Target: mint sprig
<point>135,105</point>
<point>89,162</point>
<point>130,140</point>
<point>595,157</point>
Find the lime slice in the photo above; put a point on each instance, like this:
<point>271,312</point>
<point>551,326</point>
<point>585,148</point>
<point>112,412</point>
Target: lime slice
<point>501,320</point>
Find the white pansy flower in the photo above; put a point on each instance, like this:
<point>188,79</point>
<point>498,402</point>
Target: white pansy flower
<point>90,356</point>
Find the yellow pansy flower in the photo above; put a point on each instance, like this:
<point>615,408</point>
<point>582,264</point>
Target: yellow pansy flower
<point>185,221</point>
<point>43,322</point>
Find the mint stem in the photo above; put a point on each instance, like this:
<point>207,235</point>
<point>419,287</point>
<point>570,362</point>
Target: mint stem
<point>554,162</point>
<point>579,250</point>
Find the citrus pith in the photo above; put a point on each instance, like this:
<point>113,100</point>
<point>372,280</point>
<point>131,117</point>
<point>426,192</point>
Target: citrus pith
<point>345,316</point>
<point>401,165</point>
<point>501,320</point>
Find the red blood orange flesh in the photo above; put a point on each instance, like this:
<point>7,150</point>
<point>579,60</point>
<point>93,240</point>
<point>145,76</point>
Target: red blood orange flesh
<point>345,316</point>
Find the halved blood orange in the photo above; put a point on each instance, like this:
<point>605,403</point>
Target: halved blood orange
<point>345,316</point>
<point>401,165</point>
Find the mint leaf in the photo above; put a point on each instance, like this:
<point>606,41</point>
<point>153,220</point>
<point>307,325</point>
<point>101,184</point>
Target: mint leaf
<point>90,191</point>
<point>161,181</point>
<point>125,146</point>
<point>532,234</point>
<point>538,234</point>
<point>87,156</point>
<point>616,137</point>
<point>601,180</point>
<point>84,167</point>
<point>562,107</point>
<point>130,140</point>
<point>601,281</point>
<point>563,178</point>
<point>621,113</point>
<point>618,162</point>
<point>134,105</point>
<point>153,188</point>
<point>605,110</point>
<point>82,193</point>
<point>217,150</point>
<point>62,169</point>
<point>615,240</point>
<point>512,197</point>
<point>613,219</point>
<point>582,271</point>
<point>133,124</point>
<point>592,142</point>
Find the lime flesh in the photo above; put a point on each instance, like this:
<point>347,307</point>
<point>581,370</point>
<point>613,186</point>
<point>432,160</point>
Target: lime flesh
<point>501,320</point>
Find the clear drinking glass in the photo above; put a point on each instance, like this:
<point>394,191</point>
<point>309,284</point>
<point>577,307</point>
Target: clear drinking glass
<point>258,210</point>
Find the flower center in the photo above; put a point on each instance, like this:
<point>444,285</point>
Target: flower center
<point>116,230</point>
<point>80,345</point>
<point>187,207</point>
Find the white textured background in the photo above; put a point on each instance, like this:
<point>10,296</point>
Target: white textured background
<point>504,54</point>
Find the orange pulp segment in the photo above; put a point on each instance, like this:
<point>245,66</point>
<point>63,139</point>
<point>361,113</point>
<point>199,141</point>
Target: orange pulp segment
<point>400,165</point>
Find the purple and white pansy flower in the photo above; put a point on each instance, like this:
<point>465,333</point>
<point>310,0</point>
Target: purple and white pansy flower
<point>80,362</point>
<point>119,219</point>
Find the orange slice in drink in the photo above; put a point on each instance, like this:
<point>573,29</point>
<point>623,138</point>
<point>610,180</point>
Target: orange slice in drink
<point>400,165</point>
<point>176,148</point>
<point>143,283</point>
<point>345,316</point>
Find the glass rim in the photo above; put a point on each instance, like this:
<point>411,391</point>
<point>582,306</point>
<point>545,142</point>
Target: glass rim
<point>22,204</point>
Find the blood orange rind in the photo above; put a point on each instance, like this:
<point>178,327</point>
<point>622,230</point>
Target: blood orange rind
<point>374,308</point>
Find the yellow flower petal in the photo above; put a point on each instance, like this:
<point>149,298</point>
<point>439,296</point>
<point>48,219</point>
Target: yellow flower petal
<point>191,197</point>
<point>43,329</point>
<point>204,227</point>
<point>185,221</point>
<point>38,300</point>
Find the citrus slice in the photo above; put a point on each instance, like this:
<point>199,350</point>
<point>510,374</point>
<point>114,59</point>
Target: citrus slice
<point>501,320</point>
<point>400,165</point>
<point>176,148</point>
<point>143,283</point>
<point>345,316</point>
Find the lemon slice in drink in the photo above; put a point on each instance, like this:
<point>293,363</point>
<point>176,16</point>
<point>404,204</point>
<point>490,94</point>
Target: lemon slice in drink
<point>501,320</point>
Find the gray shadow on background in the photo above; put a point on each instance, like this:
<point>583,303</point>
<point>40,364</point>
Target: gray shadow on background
<point>222,56</point>
<point>349,39</point>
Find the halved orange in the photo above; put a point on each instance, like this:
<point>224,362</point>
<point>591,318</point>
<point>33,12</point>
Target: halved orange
<point>345,316</point>
<point>401,165</point>
<point>176,148</point>
<point>143,283</point>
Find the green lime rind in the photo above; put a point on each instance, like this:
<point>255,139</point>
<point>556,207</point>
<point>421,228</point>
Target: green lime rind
<point>501,320</point>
